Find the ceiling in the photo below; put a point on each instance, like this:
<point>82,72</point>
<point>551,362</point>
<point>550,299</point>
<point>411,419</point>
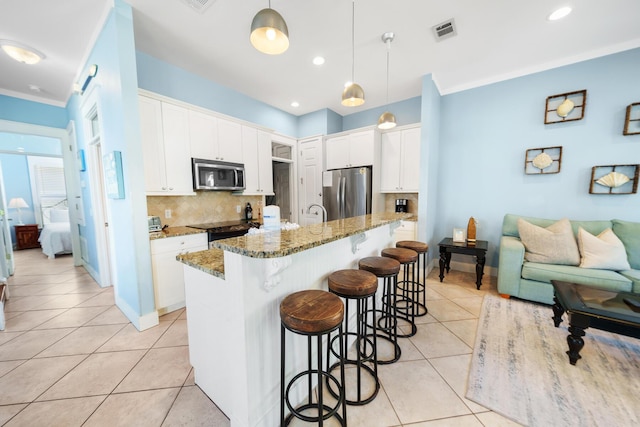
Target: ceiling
<point>496,40</point>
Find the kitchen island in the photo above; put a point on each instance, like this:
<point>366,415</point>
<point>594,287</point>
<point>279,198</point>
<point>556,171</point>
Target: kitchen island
<point>233,292</point>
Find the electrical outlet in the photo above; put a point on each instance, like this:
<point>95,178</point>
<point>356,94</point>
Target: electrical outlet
<point>238,209</point>
<point>167,213</point>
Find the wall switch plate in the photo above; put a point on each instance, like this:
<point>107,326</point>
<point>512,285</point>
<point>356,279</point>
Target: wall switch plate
<point>238,209</point>
<point>167,213</point>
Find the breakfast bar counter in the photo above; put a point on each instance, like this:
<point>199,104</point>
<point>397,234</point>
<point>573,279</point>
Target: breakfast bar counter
<point>233,293</point>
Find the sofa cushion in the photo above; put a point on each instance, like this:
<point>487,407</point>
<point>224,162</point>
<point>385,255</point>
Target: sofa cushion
<point>629,233</point>
<point>510,225</point>
<point>604,251</point>
<point>634,276</point>
<point>555,244</point>
<point>605,279</point>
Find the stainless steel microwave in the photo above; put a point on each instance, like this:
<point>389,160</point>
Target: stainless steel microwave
<point>214,175</point>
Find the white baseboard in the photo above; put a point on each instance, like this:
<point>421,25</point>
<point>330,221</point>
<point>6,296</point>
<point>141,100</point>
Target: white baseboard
<point>141,323</point>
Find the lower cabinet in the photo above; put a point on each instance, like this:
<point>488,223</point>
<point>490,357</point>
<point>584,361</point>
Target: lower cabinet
<point>406,231</point>
<point>168,280</point>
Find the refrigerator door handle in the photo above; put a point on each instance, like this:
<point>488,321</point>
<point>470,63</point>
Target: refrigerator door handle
<point>343,205</point>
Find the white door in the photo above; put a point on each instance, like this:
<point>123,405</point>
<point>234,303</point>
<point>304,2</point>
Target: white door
<point>7,265</point>
<point>310,188</point>
<point>93,135</point>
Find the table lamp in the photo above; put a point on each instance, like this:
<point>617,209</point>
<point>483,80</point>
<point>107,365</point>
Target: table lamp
<point>18,203</point>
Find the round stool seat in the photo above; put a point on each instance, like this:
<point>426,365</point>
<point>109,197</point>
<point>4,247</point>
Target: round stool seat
<point>353,283</point>
<point>403,256</point>
<point>380,266</point>
<point>414,245</point>
<point>311,311</point>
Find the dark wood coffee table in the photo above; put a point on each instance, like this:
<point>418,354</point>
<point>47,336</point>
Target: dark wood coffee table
<point>478,249</point>
<point>596,308</point>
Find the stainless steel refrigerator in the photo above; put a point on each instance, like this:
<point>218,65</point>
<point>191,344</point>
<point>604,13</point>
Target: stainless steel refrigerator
<point>347,192</point>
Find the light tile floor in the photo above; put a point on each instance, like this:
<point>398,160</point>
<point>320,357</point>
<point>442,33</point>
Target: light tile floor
<point>69,357</point>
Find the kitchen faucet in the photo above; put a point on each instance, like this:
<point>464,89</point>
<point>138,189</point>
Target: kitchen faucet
<point>324,211</point>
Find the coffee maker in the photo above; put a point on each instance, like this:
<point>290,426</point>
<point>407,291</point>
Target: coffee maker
<point>402,205</point>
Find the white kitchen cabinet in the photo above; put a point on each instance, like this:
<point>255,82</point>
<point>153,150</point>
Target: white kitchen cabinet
<point>258,169</point>
<point>406,231</point>
<point>353,150</point>
<point>168,280</point>
<point>213,138</point>
<point>400,161</point>
<point>166,148</point>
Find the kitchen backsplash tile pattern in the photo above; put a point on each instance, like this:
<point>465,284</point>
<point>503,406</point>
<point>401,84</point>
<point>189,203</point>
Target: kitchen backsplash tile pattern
<point>390,201</point>
<point>205,206</point>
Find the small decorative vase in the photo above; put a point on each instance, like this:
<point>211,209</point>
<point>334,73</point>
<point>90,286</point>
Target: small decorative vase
<point>471,231</point>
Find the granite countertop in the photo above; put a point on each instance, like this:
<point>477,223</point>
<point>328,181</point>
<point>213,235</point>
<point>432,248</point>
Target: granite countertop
<point>287,242</point>
<point>174,232</point>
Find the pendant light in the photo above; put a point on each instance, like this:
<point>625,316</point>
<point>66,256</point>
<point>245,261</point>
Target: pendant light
<point>269,32</point>
<point>387,120</point>
<point>353,95</point>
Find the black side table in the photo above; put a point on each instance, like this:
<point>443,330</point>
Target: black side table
<point>479,250</point>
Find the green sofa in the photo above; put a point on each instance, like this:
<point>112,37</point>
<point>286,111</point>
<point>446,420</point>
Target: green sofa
<point>532,281</point>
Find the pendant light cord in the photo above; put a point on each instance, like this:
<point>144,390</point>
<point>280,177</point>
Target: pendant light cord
<point>353,44</point>
<point>388,50</point>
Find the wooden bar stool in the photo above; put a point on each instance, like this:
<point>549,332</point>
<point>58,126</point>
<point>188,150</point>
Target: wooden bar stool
<point>359,287</point>
<point>313,313</point>
<point>404,305</point>
<point>419,279</point>
<point>387,323</point>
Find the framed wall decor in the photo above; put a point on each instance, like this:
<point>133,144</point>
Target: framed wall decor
<point>632,120</point>
<point>565,107</point>
<point>545,160</point>
<point>614,179</point>
<point>113,181</point>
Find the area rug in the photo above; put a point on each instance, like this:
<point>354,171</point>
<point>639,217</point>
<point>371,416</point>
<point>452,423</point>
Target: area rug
<point>520,370</point>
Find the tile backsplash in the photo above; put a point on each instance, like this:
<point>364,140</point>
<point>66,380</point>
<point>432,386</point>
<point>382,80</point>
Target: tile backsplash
<point>205,206</point>
<point>390,201</point>
<point>216,206</point>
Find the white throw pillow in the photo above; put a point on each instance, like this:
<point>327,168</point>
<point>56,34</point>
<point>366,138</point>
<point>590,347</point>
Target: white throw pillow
<point>604,251</point>
<point>59,215</point>
<point>555,244</point>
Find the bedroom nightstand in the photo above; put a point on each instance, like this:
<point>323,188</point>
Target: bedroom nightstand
<point>27,236</point>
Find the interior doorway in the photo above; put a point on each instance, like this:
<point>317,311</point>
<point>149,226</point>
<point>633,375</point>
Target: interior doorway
<point>284,175</point>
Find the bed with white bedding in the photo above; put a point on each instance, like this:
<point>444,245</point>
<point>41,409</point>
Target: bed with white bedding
<point>55,238</point>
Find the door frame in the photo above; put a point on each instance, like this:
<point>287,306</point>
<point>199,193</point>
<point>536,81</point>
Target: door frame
<point>71,178</point>
<point>89,108</point>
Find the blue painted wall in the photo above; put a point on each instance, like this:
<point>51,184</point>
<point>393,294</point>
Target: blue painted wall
<point>19,110</point>
<point>117,85</point>
<point>15,174</point>
<point>406,112</point>
<point>484,133</point>
<point>31,144</point>
<point>168,80</point>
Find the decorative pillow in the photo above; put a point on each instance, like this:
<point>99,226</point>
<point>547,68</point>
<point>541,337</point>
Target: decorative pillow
<point>59,215</point>
<point>555,244</point>
<point>605,251</point>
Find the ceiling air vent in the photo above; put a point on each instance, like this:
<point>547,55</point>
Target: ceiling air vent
<point>198,5</point>
<point>445,30</point>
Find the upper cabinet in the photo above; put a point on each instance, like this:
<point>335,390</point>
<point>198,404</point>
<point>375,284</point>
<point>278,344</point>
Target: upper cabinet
<point>166,148</point>
<point>214,139</point>
<point>353,150</point>
<point>400,161</point>
<point>256,146</point>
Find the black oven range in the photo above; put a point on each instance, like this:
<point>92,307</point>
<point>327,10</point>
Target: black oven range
<point>225,229</point>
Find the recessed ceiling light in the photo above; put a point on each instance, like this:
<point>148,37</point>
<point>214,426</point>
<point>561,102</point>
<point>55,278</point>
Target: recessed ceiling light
<point>295,104</point>
<point>559,14</point>
<point>35,88</point>
<point>21,52</point>
<point>318,60</point>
